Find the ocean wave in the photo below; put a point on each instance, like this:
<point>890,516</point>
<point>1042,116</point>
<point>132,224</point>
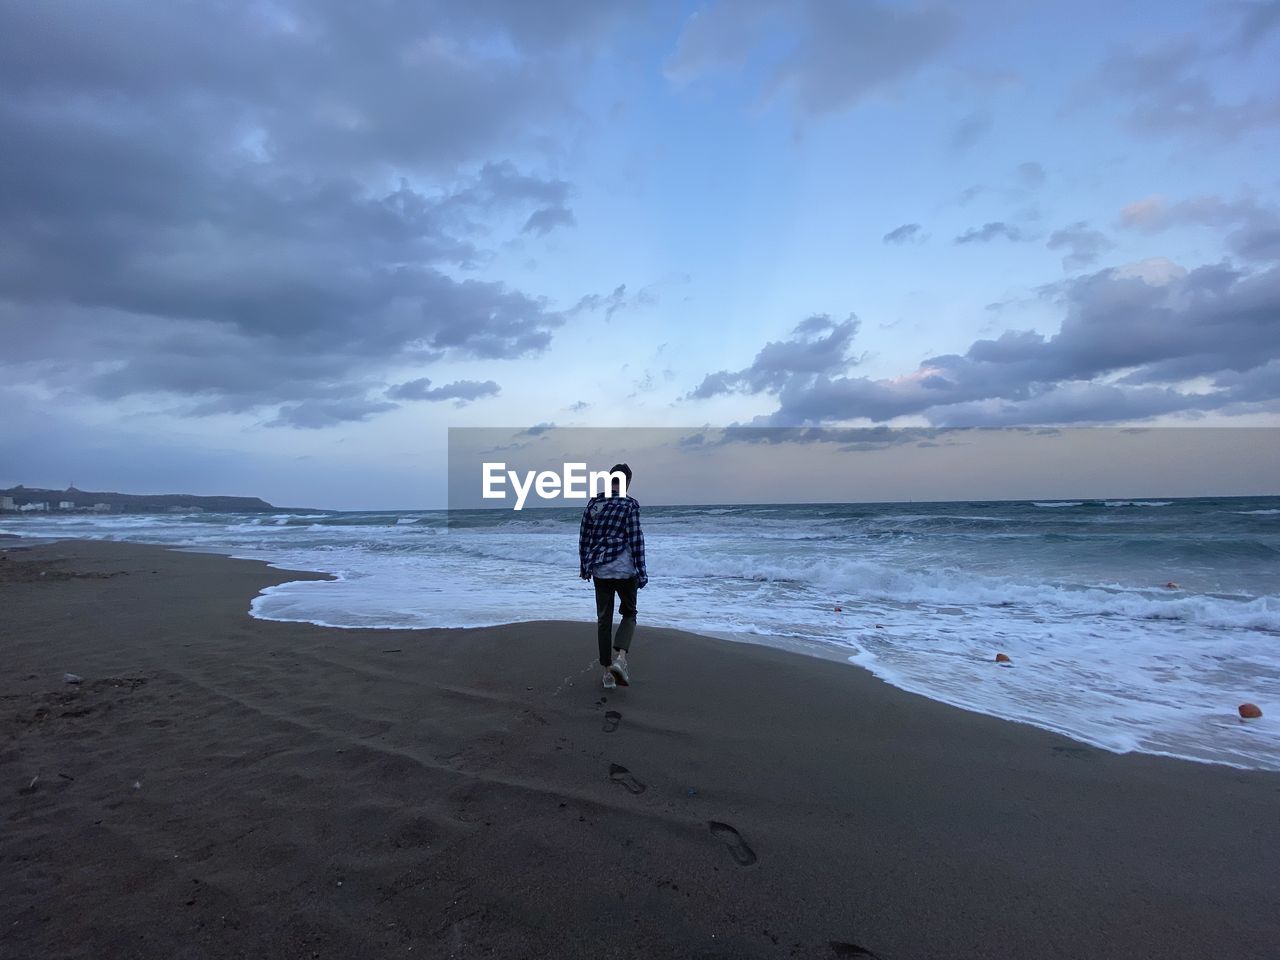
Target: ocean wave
<point>1076,594</point>
<point>871,580</point>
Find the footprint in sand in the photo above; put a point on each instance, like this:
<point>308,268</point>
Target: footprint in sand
<point>611,720</point>
<point>743,855</point>
<point>620,774</point>
<point>842,948</point>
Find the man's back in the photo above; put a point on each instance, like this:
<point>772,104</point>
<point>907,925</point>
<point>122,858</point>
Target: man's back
<point>610,529</point>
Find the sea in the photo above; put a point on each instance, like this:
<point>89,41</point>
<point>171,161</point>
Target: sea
<point>1130,625</point>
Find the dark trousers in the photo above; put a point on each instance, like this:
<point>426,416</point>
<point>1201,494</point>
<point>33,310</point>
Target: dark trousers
<point>626,591</point>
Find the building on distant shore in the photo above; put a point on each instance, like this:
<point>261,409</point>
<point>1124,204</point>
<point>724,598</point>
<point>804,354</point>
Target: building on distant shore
<point>6,503</point>
<point>38,506</point>
<point>66,505</point>
<point>102,508</point>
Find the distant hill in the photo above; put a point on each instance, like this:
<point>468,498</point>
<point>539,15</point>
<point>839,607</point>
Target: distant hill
<point>145,503</point>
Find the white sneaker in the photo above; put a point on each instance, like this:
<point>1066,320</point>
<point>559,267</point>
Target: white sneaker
<point>608,682</point>
<point>619,670</point>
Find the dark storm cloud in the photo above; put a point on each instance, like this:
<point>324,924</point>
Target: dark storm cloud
<point>1083,244</point>
<point>823,57</point>
<point>327,83</point>
<point>461,391</point>
<point>1259,385</point>
<point>1257,242</point>
<point>818,346</point>
<point>1148,329</point>
<point>250,205</point>
<point>907,233</point>
<point>988,232</point>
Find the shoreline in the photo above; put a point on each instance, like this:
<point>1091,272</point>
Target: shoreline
<point>222,786</point>
<point>792,645</point>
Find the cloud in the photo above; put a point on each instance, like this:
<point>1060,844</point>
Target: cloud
<point>845,439</point>
<point>611,303</point>
<point>1256,233</point>
<point>545,220</point>
<point>1031,173</point>
<point>907,233</point>
<point>537,28</point>
<point>988,232</point>
<point>316,414</point>
<point>821,57</point>
<point>1167,88</point>
<point>462,391</point>
<point>970,130</point>
<point>1083,244</point>
<point>1257,20</point>
<point>1260,385</point>
<point>818,346</point>
<point>1154,214</point>
<point>1135,342</point>
<point>1067,403</point>
<point>615,301</point>
<point>500,186</point>
<point>245,206</point>
<point>318,84</point>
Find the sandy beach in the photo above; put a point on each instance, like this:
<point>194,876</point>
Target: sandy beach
<point>218,786</point>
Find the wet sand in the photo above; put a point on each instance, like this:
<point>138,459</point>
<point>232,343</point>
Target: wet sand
<point>219,787</point>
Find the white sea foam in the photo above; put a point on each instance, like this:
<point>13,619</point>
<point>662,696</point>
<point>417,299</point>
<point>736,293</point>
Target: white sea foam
<point>1102,649</point>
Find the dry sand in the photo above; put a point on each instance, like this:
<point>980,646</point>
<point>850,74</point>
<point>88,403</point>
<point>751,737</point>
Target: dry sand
<point>219,786</point>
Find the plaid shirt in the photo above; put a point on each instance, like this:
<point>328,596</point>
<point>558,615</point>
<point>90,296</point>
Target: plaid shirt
<point>610,524</point>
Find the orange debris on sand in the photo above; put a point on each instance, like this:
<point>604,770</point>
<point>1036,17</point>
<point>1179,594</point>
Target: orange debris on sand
<point>1250,711</point>
<point>1003,658</point>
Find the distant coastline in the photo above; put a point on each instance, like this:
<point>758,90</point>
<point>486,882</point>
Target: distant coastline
<point>22,499</point>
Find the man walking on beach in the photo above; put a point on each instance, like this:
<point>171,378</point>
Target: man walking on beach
<point>611,550</point>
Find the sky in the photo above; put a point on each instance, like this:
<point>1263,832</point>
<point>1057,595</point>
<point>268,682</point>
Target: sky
<point>278,249</point>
